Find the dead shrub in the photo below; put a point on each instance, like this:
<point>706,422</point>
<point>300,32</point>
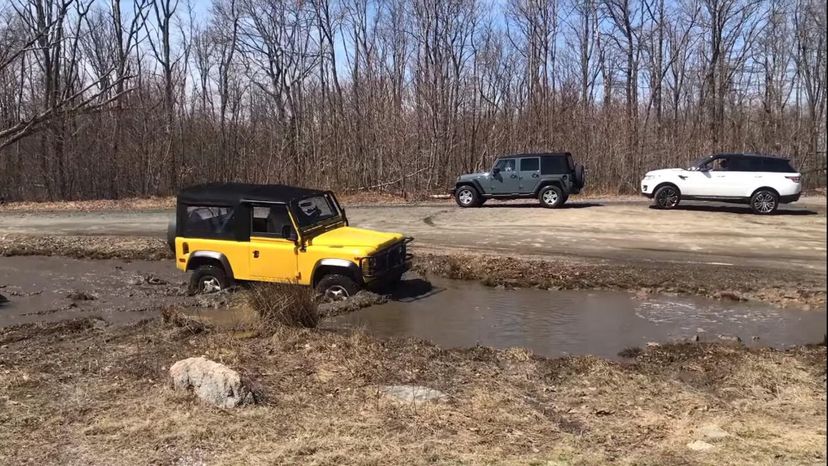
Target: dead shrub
<point>283,304</point>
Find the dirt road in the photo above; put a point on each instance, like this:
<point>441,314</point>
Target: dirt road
<point>624,230</point>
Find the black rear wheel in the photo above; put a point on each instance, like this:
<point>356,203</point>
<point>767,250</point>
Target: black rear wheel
<point>208,279</point>
<point>667,197</point>
<point>764,202</point>
<point>551,196</point>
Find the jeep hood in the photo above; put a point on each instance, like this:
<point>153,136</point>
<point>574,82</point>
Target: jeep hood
<point>350,237</point>
<point>472,176</point>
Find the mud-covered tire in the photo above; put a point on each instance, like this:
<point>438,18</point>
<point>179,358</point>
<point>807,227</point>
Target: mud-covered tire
<point>336,287</point>
<point>666,197</point>
<point>171,234</point>
<point>551,196</point>
<point>208,279</point>
<point>467,196</point>
<point>764,201</point>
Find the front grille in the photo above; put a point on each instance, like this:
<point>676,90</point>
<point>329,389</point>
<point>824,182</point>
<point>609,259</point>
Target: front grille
<point>390,258</point>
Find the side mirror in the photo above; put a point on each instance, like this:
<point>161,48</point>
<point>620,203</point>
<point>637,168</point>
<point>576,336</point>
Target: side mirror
<point>495,170</point>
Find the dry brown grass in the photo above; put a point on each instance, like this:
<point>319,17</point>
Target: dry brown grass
<point>100,396</point>
<point>278,304</point>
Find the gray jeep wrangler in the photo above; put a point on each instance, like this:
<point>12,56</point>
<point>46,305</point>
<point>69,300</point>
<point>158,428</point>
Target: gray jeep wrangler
<point>549,177</point>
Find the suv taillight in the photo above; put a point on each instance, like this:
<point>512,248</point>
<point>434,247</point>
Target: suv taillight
<point>795,179</point>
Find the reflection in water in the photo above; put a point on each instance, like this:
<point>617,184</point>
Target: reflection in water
<point>554,323</point>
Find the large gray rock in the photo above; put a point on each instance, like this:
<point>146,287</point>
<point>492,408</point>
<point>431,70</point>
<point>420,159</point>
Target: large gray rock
<point>413,394</point>
<point>212,382</point>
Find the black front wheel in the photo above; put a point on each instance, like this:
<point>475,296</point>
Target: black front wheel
<point>336,287</point>
<point>764,202</point>
<point>667,197</point>
<point>466,196</point>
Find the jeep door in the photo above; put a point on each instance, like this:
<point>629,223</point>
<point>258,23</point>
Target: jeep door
<point>529,174</point>
<point>504,177</point>
<point>273,249</point>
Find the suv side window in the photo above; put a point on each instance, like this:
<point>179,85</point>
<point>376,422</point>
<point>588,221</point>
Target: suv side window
<point>777,166</point>
<point>209,221</point>
<point>272,221</point>
<point>505,165</point>
<point>531,164</point>
<point>745,164</point>
<point>554,165</point>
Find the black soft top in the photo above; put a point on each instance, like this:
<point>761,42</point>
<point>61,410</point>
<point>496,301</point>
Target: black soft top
<point>234,193</point>
<point>535,154</point>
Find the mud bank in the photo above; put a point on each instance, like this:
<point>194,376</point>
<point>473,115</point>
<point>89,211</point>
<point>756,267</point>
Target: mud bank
<point>85,392</point>
<point>804,289</point>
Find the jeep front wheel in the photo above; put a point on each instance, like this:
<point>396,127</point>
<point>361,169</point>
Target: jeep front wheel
<point>336,287</point>
<point>467,196</point>
<point>208,279</point>
<point>551,197</point>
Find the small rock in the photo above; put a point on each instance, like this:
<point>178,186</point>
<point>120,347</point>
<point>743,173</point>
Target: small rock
<point>755,338</point>
<point>713,432</point>
<point>698,445</point>
<point>730,338</point>
<point>415,394</point>
<point>653,344</point>
<point>81,296</point>
<point>212,382</point>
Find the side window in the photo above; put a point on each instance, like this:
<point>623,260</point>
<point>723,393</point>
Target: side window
<point>211,221</point>
<point>746,164</point>
<point>720,164</point>
<point>505,165</point>
<point>530,164</point>
<point>272,221</point>
<point>777,166</point>
<point>554,165</point>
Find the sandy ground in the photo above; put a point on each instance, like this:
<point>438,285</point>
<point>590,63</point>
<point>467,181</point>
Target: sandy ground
<point>622,230</point>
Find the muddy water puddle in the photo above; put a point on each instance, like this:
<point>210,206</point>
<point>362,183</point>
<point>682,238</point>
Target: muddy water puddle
<point>47,289</point>
<point>556,323</point>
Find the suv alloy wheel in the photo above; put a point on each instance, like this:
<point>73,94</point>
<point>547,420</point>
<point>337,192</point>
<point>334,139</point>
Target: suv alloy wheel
<point>764,202</point>
<point>336,287</point>
<point>667,197</point>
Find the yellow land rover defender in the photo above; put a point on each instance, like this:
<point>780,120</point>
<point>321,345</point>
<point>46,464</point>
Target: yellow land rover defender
<point>230,232</point>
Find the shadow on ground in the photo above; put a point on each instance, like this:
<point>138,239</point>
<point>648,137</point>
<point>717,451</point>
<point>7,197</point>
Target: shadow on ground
<point>739,209</point>
<point>568,205</point>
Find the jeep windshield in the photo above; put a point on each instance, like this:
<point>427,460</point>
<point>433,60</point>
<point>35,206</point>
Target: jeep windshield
<point>317,213</point>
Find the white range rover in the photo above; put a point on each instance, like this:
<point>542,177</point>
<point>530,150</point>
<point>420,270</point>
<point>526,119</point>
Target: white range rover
<point>762,181</point>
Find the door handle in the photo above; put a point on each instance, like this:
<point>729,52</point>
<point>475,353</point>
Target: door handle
<point>683,177</point>
<point>535,175</point>
<point>256,254</point>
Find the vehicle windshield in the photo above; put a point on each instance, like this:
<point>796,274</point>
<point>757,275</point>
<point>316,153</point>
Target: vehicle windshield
<point>699,163</point>
<point>317,211</point>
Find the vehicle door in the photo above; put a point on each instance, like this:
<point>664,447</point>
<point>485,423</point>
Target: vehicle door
<point>741,176</point>
<point>707,181</point>
<point>273,249</point>
<point>504,177</point>
<point>528,174</point>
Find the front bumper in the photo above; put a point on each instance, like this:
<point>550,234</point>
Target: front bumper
<point>391,261</point>
<point>647,188</point>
